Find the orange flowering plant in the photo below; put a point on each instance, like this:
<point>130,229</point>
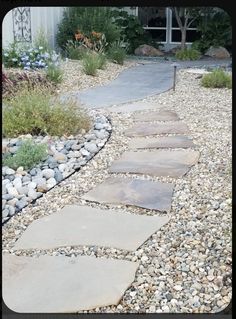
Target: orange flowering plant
<point>95,41</point>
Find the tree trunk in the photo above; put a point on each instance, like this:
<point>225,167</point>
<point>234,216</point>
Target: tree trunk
<point>183,38</point>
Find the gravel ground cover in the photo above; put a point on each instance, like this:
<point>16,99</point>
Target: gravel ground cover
<point>185,266</point>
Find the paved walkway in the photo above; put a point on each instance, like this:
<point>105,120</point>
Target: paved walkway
<point>137,83</point>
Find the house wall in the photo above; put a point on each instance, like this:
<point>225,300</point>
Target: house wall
<point>46,18</point>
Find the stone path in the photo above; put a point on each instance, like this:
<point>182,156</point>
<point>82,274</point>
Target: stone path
<point>63,284</point>
<point>147,80</point>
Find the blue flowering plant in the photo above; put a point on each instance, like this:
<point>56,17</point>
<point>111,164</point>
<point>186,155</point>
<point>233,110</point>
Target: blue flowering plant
<point>28,58</point>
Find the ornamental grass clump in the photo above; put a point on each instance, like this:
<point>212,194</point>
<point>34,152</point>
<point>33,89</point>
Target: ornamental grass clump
<point>28,155</point>
<point>90,63</point>
<point>116,53</point>
<point>217,79</point>
<point>37,112</point>
<point>188,54</point>
<point>54,74</point>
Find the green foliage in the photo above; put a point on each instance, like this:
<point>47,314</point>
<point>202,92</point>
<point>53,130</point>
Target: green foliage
<point>217,79</point>
<point>54,74</point>
<point>101,60</point>
<point>132,30</point>
<point>28,155</point>
<point>216,30</point>
<point>86,20</point>
<point>37,112</point>
<point>187,54</point>
<point>41,40</point>
<point>74,51</point>
<point>90,63</point>
<point>117,53</point>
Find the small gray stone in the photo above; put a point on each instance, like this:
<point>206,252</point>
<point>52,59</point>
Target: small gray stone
<point>99,126</point>
<point>9,171</point>
<point>12,202</point>
<point>3,203</point>
<point>12,191</point>
<point>13,149</point>
<point>71,154</point>
<point>62,167</point>
<point>23,190</point>
<point>101,135</point>
<point>7,197</point>
<point>51,182</point>
<point>5,212</point>
<point>21,204</point>
<point>17,182</point>
<point>76,147</point>
<point>91,147</point>
<point>26,178</point>
<point>90,137</point>
<point>33,172</point>
<point>10,177</point>
<point>58,176</point>
<point>11,210</point>
<point>48,173</point>
<point>32,193</point>
<point>84,152</point>
<point>32,185</point>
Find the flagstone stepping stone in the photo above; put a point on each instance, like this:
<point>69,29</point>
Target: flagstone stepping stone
<point>156,116</point>
<point>61,284</point>
<point>173,163</point>
<point>145,129</point>
<point>161,142</point>
<point>142,193</point>
<point>84,225</point>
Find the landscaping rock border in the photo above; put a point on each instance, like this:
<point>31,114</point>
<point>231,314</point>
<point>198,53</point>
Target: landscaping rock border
<point>65,156</point>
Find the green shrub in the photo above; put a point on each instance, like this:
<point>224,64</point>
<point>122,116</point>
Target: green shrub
<point>101,61</point>
<point>54,74</point>
<point>28,155</point>
<point>217,79</point>
<point>73,51</point>
<point>86,20</point>
<point>215,27</point>
<point>37,112</point>
<point>90,63</point>
<point>188,54</point>
<point>117,53</point>
<point>132,31</point>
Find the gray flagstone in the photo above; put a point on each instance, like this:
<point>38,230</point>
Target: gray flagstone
<point>84,225</point>
<point>161,142</point>
<point>61,284</point>
<point>142,193</point>
<point>162,115</point>
<point>145,129</point>
<point>173,163</point>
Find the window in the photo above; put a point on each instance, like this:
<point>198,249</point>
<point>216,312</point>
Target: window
<point>153,19</point>
<point>191,34</point>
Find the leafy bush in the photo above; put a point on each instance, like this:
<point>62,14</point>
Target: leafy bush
<point>87,19</point>
<point>54,74</point>
<point>132,31</point>
<point>74,51</point>
<point>36,112</point>
<point>216,30</point>
<point>28,155</point>
<point>27,57</point>
<point>90,62</point>
<point>217,79</point>
<point>117,53</point>
<point>187,54</point>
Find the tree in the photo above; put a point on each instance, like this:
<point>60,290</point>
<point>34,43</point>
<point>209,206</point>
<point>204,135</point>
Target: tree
<point>185,17</point>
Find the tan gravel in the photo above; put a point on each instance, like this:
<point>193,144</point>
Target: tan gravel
<point>185,266</point>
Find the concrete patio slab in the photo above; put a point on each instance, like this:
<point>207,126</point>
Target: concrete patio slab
<point>161,142</point>
<point>128,191</point>
<point>174,163</point>
<point>144,129</point>
<point>61,284</point>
